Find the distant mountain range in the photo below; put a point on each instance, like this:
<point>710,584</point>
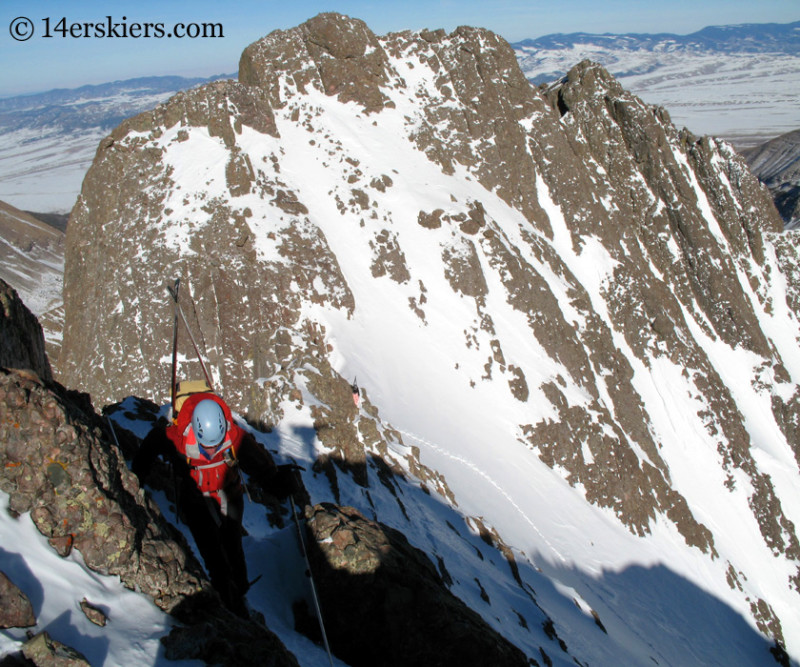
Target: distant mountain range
<point>741,83</point>
<point>733,39</point>
<point>94,106</point>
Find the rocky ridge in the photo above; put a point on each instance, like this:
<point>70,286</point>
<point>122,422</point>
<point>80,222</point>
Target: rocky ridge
<point>691,75</point>
<point>380,586</point>
<point>627,249</point>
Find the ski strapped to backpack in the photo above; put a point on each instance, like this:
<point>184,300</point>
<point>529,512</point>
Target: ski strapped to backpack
<point>173,290</point>
<point>179,391</point>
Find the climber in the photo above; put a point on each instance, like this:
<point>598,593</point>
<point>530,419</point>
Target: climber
<point>207,449</point>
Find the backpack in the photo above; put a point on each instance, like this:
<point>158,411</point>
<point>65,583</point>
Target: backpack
<point>185,389</point>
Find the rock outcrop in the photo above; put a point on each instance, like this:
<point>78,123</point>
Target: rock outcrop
<point>59,464</point>
<point>17,611</point>
<point>42,649</point>
<point>388,604</point>
<point>23,342</point>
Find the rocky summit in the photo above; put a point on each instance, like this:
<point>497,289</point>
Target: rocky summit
<point>572,323</point>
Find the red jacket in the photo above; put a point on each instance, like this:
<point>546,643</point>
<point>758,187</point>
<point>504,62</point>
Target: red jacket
<point>217,474</point>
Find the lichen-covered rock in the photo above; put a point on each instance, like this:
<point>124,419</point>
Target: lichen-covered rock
<point>16,610</point>
<point>387,602</point>
<point>59,465</point>
<point>44,651</point>
<point>94,613</point>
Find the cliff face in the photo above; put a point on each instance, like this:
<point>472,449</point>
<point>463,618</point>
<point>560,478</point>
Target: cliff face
<point>21,333</point>
<point>410,210</point>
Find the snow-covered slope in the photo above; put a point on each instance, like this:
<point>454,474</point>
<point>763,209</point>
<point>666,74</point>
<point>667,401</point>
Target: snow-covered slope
<point>32,262</point>
<point>568,319</point>
<point>32,255</point>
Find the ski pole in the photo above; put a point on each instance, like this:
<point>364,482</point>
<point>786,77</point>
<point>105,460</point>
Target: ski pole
<point>113,431</point>
<point>311,581</point>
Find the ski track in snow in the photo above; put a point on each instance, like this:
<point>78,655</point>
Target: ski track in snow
<point>476,469</point>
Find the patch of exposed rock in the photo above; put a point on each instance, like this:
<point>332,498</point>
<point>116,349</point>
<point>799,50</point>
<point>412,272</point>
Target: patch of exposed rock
<point>335,54</point>
<point>16,610</point>
<point>387,604</point>
<point>42,650</point>
<point>21,333</point>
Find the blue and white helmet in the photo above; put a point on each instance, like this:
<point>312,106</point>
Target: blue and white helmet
<point>208,423</point>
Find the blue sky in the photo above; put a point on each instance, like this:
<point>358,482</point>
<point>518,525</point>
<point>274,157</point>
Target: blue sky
<point>42,63</point>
